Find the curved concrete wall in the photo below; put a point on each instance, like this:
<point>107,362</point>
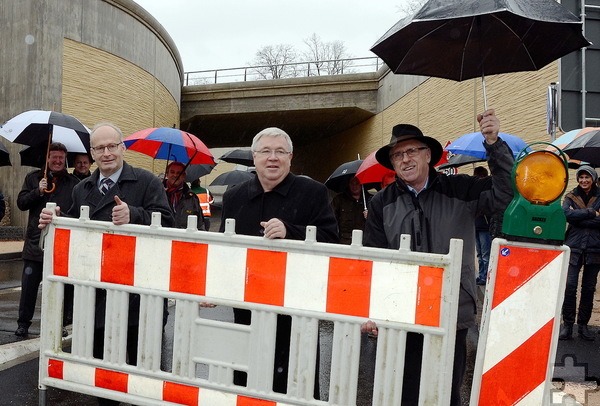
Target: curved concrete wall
<point>99,60</point>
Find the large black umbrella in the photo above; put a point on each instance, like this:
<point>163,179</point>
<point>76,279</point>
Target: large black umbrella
<point>38,127</point>
<point>338,180</point>
<point>4,156</point>
<point>238,156</point>
<point>585,148</point>
<point>232,178</point>
<point>36,157</point>
<point>465,39</point>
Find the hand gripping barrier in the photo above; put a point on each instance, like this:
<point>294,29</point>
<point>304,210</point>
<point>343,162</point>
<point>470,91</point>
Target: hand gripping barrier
<point>309,281</point>
<point>520,322</point>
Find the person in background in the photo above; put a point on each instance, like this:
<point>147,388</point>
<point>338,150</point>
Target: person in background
<point>121,194</point>
<point>82,164</point>
<point>206,199</point>
<point>433,208</point>
<point>34,195</point>
<point>483,240</point>
<point>278,204</point>
<point>2,206</point>
<point>582,209</point>
<point>350,210</point>
<point>182,200</point>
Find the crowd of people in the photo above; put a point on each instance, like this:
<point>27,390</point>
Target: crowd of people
<point>431,207</point>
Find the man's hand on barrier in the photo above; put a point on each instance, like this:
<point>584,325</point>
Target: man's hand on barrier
<point>370,328</point>
<point>46,217</point>
<point>120,213</point>
<point>273,228</point>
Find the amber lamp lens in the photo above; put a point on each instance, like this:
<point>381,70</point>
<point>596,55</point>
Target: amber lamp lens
<point>541,177</point>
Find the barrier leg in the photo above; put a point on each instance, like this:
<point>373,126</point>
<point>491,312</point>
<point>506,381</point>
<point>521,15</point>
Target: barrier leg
<point>42,395</point>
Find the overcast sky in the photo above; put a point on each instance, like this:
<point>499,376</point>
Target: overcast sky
<point>216,34</point>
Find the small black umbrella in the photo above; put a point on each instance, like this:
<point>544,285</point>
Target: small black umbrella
<point>464,39</point>
<point>193,172</point>
<point>585,148</point>
<point>232,178</point>
<point>338,180</point>
<point>457,160</point>
<point>4,156</point>
<point>238,156</point>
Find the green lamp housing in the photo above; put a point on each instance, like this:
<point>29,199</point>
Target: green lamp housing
<point>535,213</point>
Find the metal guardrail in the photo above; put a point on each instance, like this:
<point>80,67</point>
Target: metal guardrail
<point>283,71</point>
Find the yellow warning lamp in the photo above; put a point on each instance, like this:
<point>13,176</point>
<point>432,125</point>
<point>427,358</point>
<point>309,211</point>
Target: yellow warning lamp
<point>540,178</point>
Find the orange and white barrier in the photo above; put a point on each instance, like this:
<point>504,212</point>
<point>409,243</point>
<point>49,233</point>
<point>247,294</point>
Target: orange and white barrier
<point>309,281</point>
<point>520,322</point>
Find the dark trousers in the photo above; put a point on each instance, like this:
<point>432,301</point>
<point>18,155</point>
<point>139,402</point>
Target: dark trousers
<point>282,353</point>
<point>586,298</point>
<point>30,283</point>
<point>132,345</point>
<point>412,368</point>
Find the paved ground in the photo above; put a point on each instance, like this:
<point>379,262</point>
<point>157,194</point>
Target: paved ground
<point>577,361</point>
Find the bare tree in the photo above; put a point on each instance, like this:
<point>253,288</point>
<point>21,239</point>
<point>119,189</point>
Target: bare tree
<point>327,57</point>
<point>410,7</point>
<point>273,61</point>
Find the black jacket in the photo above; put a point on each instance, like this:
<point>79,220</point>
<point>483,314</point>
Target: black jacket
<point>583,232</point>
<point>445,209</point>
<point>297,201</point>
<point>29,199</point>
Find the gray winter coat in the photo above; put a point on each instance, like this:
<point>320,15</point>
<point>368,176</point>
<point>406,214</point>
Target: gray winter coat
<point>445,209</point>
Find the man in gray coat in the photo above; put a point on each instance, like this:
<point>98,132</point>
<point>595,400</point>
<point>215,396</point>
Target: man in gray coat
<point>121,194</point>
<point>433,208</point>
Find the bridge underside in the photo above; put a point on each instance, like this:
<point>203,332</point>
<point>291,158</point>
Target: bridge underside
<point>309,109</point>
<point>304,126</point>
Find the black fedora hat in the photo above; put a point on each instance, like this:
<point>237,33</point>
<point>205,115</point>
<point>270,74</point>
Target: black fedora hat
<point>405,132</point>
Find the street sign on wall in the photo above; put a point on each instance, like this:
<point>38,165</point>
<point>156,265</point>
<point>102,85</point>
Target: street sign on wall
<point>578,73</point>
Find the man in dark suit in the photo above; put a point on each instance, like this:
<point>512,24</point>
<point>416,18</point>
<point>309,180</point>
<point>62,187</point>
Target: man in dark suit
<point>121,194</point>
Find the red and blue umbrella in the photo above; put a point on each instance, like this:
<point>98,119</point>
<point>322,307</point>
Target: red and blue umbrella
<point>170,144</point>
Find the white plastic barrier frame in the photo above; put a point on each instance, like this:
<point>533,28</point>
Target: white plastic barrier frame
<point>520,322</point>
<point>310,281</point>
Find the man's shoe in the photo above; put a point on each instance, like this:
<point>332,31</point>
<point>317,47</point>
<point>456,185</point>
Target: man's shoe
<point>65,332</point>
<point>480,282</point>
<point>585,333</point>
<point>22,331</point>
<point>566,332</point>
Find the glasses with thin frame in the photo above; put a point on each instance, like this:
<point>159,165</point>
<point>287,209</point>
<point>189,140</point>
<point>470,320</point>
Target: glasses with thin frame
<point>266,152</point>
<point>110,147</point>
<point>411,153</point>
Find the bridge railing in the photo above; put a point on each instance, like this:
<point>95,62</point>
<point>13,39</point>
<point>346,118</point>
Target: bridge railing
<point>283,71</point>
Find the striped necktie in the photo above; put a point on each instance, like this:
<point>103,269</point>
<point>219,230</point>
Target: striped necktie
<point>105,185</point>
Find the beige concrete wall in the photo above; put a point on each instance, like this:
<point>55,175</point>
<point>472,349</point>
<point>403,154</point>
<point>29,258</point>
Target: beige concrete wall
<point>133,75</point>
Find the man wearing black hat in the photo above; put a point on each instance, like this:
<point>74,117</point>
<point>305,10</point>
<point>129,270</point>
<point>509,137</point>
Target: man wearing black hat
<point>582,210</point>
<point>433,208</point>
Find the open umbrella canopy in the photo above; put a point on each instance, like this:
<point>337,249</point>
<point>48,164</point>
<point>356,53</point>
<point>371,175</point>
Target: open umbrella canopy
<point>4,156</point>
<point>472,144</point>
<point>568,137</point>
<point>585,148</point>
<point>238,156</point>
<point>36,157</point>
<point>170,144</point>
<point>37,127</point>
<point>193,172</point>
<point>371,171</point>
<point>339,179</point>
<point>464,39</point>
<point>456,160</point>
<point>232,178</point>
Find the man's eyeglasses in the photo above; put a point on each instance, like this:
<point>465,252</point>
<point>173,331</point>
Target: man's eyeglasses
<point>279,153</point>
<point>110,147</point>
<point>411,153</point>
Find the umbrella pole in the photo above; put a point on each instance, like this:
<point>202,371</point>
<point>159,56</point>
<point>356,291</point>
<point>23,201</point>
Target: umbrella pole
<point>362,187</point>
<point>484,92</point>
<point>46,163</point>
